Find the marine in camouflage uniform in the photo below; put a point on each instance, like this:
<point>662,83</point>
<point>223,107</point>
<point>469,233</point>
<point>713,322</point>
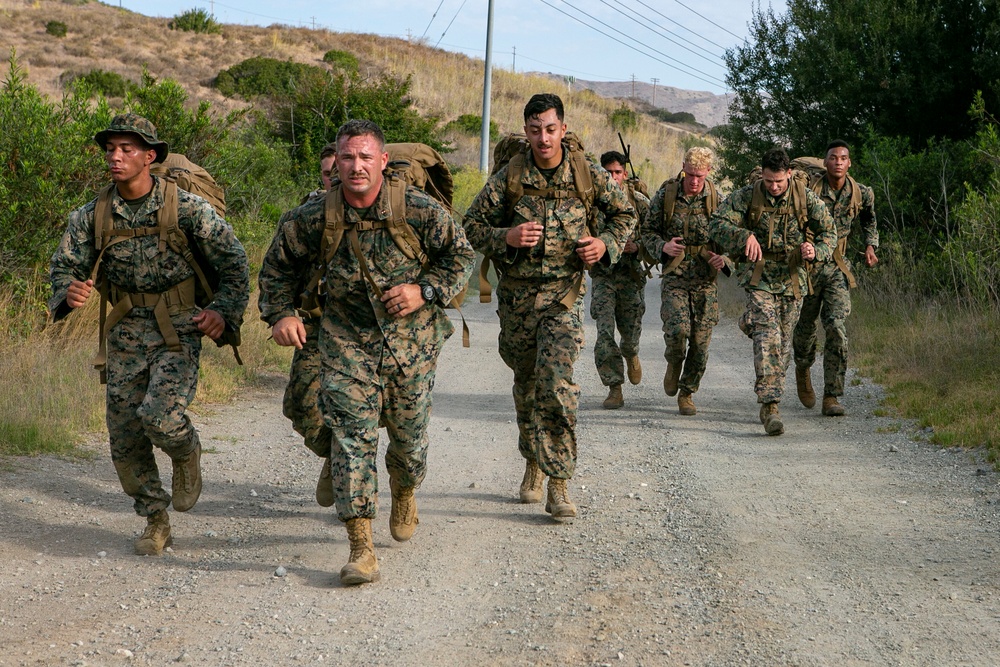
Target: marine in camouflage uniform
<point>541,249</point>
<point>689,300</point>
<point>618,298</point>
<point>149,382</point>
<point>378,347</point>
<point>830,299</point>
<point>775,285</point>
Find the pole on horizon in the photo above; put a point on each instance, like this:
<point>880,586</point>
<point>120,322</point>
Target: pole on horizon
<point>484,137</point>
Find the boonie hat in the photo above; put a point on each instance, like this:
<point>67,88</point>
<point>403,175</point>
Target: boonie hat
<point>131,123</point>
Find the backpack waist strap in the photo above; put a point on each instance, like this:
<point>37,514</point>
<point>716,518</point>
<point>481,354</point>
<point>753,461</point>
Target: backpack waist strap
<point>794,260</point>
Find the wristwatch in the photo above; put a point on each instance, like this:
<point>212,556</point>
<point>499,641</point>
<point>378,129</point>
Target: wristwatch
<point>427,292</point>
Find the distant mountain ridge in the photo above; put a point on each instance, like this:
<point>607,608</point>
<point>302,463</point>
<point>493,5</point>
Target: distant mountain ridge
<point>708,108</point>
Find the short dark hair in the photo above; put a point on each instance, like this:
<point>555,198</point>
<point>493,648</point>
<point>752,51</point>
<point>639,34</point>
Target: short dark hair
<point>612,156</point>
<point>542,102</point>
<point>838,143</point>
<point>360,127</point>
<point>776,159</point>
<point>328,151</point>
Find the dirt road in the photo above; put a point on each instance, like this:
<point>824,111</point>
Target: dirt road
<point>700,541</point>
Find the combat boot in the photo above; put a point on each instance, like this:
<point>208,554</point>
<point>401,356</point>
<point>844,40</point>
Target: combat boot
<point>634,369</point>
<point>362,567</point>
<point>324,487</point>
<point>671,378</point>
<point>804,386</point>
<point>685,405</point>
<point>186,485</point>
<point>558,504</point>
<point>831,407</point>
<point>403,519</point>
<point>531,485</point>
<point>772,419</point>
<point>615,399</point>
<point>156,537</point>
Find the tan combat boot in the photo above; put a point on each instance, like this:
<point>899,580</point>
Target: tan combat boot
<point>558,504</point>
<point>403,519</point>
<point>362,567</point>
<point>831,408</point>
<point>634,369</point>
<point>685,405</point>
<point>186,485</point>
<point>671,378</point>
<point>324,487</point>
<point>772,419</point>
<point>615,399</point>
<point>156,537</point>
<point>804,386</point>
<point>531,485</point>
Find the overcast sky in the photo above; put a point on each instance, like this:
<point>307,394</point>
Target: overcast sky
<point>678,42</point>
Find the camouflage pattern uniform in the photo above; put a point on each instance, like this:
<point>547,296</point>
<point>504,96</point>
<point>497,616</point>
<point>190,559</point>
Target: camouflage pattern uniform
<point>831,297</point>
<point>541,324</point>
<point>618,299</point>
<point>149,387</point>
<point>376,369</point>
<point>772,308</point>
<point>689,297</point>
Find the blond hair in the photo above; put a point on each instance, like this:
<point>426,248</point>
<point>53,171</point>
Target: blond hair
<point>699,157</point>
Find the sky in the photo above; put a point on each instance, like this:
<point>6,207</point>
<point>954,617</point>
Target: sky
<point>678,42</point>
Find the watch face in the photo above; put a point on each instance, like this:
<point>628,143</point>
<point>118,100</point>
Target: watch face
<point>427,292</point>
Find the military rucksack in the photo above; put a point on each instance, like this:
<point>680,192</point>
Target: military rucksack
<point>817,176</point>
<point>413,164</point>
<point>797,206</point>
<point>514,151</point>
<point>672,189</point>
<point>196,291</point>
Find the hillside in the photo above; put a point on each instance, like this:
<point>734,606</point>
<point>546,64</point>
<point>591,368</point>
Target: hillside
<point>708,108</point>
<point>445,85</point>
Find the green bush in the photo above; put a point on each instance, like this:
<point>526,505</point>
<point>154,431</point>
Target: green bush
<point>623,118</point>
<point>103,82</point>
<point>56,28</point>
<point>267,76</point>
<point>342,59</point>
<point>472,125</point>
<point>196,20</point>
<point>673,117</point>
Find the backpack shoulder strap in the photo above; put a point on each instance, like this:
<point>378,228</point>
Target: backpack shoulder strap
<point>671,188</point>
<point>399,229</point>
<point>798,186</point>
<point>757,201</point>
<point>854,208</point>
<point>711,198</point>
<point>173,237</point>
<point>514,189</point>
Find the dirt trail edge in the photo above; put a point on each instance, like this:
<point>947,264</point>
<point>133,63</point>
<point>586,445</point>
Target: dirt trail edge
<point>700,540</point>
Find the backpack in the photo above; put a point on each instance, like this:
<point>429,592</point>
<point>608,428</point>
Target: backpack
<point>797,185</point>
<point>197,291</point>
<point>409,164</point>
<point>817,175</point>
<point>514,150</point>
<point>672,188</point>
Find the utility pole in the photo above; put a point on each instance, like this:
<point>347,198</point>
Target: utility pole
<point>313,18</point>
<point>655,81</point>
<point>513,60</point>
<point>633,86</point>
<point>484,137</point>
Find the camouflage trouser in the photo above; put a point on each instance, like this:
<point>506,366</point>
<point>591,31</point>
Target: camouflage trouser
<point>831,302</point>
<point>354,410</point>
<point>540,340</point>
<point>617,299</point>
<point>149,390</point>
<point>688,315</point>
<point>301,401</point>
<point>768,320</point>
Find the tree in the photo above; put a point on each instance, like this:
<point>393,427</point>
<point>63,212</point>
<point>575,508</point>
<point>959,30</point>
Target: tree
<point>833,68</point>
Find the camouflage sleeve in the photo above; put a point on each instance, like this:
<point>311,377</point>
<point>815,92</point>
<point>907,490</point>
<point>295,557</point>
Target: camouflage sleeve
<point>869,225</point>
<point>289,261</point>
<point>641,209</point>
<point>218,244</point>
<point>619,215</point>
<point>823,227</point>
<point>73,259</point>
<point>726,226</point>
<point>651,228</point>
<point>451,257</point>
<point>484,221</point>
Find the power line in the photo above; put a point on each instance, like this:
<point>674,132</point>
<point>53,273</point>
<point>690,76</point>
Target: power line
<point>710,80</point>
<point>449,24</point>
<point>688,46</point>
<point>707,19</point>
<point>683,27</point>
<point>433,16</point>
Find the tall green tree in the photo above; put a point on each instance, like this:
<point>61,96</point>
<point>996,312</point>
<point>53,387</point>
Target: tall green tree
<point>833,68</point>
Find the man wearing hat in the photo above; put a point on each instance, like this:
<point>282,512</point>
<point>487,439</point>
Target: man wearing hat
<point>153,334</point>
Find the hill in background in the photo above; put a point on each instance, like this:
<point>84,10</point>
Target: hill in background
<point>445,85</point>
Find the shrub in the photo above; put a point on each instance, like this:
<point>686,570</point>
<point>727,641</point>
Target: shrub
<point>342,59</point>
<point>472,125</point>
<point>267,76</point>
<point>103,82</point>
<point>196,20</point>
<point>623,118</point>
<point>673,117</point>
<point>56,28</point>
